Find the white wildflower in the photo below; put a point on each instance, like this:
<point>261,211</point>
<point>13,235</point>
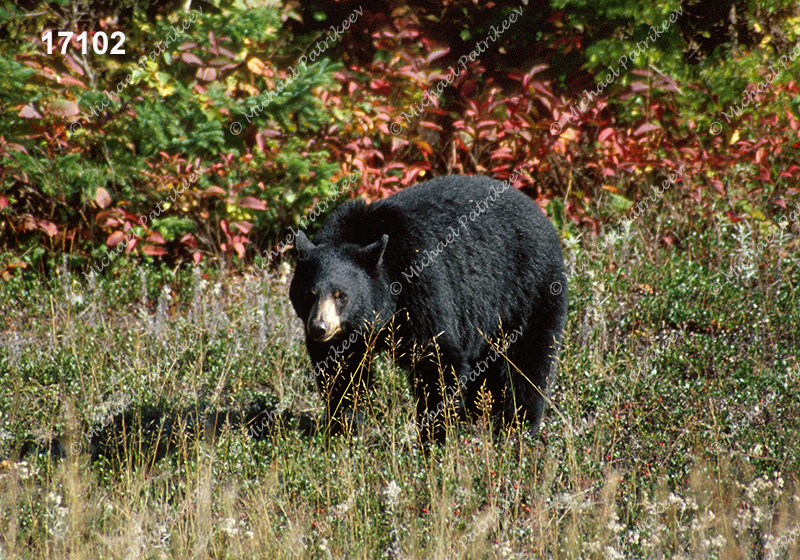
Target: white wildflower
<point>392,490</point>
<point>612,554</point>
<point>26,471</point>
<point>228,526</point>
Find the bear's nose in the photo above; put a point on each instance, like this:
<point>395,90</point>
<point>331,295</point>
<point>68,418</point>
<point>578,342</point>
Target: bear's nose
<point>317,329</point>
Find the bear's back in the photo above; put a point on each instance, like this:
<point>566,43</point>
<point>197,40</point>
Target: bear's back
<point>422,213</point>
<point>464,251</point>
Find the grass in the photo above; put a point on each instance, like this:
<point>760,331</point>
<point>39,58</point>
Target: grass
<point>153,413</point>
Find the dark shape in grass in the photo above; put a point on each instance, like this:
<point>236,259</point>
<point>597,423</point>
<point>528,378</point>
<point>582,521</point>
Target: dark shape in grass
<point>153,432</point>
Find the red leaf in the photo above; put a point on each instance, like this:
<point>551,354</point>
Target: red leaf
<point>764,175</point>
<point>20,148</point>
<point>29,223</point>
<point>239,249</point>
<point>69,61</point>
<point>214,190</point>
<point>189,240</point>
<point>28,112</point>
<point>70,81</point>
<point>244,226</point>
<point>63,108</point>
<point>154,250</point>
<point>433,126</point>
<point>48,227</point>
<point>536,69</point>
<point>398,143</point>
<point>131,244</point>
<point>155,237</point>
<point>646,127</point>
<point>197,257</point>
<point>254,203</point>
<point>381,86</point>
<point>261,138</point>
<point>115,238</point>
<point>424,147</point>
<point>3,201</point>
<point>468,87</point>
<point>207,74</point>
<point>191,59</point>
<point>605,133</point>
<point>437,53</point>
<point>102,197</point>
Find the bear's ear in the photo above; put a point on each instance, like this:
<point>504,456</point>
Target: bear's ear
<point>372,255</point>
<point>302,245</point>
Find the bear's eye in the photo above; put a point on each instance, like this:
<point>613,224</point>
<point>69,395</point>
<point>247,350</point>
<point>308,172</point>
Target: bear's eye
<point>341,296</point>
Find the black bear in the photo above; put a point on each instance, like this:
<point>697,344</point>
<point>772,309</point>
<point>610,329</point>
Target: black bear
<point>462,276</point>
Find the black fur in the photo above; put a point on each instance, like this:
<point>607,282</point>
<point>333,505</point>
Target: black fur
<point>453,260</point>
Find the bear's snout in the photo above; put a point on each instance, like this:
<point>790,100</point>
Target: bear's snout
<point>317,330</point>
<point>324,323</point>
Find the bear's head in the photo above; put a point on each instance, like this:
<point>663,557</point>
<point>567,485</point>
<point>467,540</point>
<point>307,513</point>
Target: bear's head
<point>337,289</point>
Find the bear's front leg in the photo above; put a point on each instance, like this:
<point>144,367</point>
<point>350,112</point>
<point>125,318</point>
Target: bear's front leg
<point>438,397</point>
<point>344,385</point>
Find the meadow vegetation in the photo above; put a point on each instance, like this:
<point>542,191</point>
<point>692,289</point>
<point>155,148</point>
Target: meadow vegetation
<point>159,411</point>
